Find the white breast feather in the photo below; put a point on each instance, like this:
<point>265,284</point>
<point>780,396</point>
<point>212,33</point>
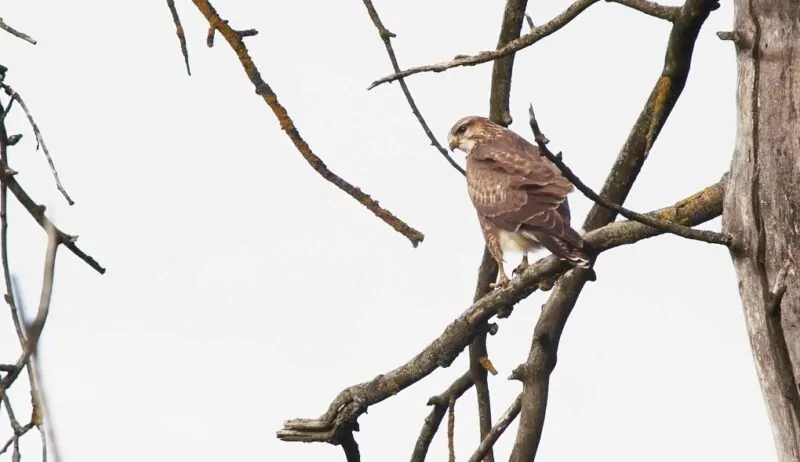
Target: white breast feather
<point>514,243</point>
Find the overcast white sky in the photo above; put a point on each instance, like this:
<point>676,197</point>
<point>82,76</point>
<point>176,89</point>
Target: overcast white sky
<point>243,290</point>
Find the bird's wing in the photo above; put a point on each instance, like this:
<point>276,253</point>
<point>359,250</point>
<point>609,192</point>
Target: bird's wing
<point>510,183</point>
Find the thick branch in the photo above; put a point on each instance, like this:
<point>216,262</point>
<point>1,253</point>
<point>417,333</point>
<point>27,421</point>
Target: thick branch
<point>535,373</point>
<point>354,401</point>
<point>234,39</point>
<point>668,13</point>
<point>386,37</point>
<point>525,41</point>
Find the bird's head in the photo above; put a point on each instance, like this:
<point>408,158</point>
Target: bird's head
<point>466,133</point>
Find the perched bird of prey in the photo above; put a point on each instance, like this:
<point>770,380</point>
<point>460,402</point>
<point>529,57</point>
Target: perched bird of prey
<point>520,196</point>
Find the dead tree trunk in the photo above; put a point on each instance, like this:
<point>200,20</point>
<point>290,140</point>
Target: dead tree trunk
<point>762,201</point>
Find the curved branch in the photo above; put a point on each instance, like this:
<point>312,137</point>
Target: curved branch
<point>234,39</point>
<point>345,409</point>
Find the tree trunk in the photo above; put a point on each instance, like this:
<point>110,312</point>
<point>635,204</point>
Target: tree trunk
<point>762,201</point>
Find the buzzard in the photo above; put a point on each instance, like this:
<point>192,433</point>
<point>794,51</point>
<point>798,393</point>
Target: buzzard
<point>520,196</point>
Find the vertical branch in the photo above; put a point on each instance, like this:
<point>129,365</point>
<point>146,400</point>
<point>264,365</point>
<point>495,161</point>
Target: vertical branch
<point>499,112</point>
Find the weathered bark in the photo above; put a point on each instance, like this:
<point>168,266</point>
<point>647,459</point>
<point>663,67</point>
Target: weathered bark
<point>762,200</point>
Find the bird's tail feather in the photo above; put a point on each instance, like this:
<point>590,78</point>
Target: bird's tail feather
<point>561,248</point>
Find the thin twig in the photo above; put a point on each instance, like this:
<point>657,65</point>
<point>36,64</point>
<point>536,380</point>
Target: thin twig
<point>682,231</point>
<point>667,13</point>
<point>386,37</point>
<point>181,34</point>
<point>34,329</point>
<point>440,404</point>
<point>451,426</point>
<point>16,33</point>
<point>17,435</point>
<point>39,141</point>
<point>525,41</point>
<point>497,431</point>
<point>234,39</point>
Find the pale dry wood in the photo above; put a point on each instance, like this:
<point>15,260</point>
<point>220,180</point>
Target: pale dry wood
<point>761,205</point>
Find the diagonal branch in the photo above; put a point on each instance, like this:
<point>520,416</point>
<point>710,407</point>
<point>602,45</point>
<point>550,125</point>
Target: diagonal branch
<point>39,139</point>
<point>34,329</point>
<point>513,46</point>
<point>16,33</point>
<point>387,37</point>
<point>535,372</point>
<point>234,39</point>
<point>678,230</point>
<point>36,210</point>
<point>345,409</point>
<point>497,431</point>
<point>667,13</point>
<point>181,34</point>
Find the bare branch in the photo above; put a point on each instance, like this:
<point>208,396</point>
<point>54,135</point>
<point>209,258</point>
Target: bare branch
<point>350,447</point>
<point>181,35</point>
<point>668,13</point>
<point>354,401</point>
<point>234,39</point>
<point>682,231</point>
<point>451,428</point>
<point>525,41</point>
<point>34,329</point>
<point>36,210</point>
<point>16,33</point>
<point>497,431</point>
<point>535,373</point>
<point>17,435</point>
<point>39,140</point>
<point>386,37</point>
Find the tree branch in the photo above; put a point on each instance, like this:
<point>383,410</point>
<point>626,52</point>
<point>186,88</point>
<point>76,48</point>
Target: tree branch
<point>535,373</point>
<point>668,13</point>
<point>497,431</point>
<point>434,419</point>
<point>682,231</point>
<point>354,401</point>
<point>39,139</point>
<point>513,46</point>
<point>181,35</point>
<point>36,210</point>
<point>386,37</point>
<point>234,39</point>
<point>16,33</point>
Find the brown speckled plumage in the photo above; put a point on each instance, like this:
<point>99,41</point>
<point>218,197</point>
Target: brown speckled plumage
<point>520,196</point>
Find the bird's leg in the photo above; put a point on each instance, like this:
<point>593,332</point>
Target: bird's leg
<point>502,279</point>
<point>521,267</point>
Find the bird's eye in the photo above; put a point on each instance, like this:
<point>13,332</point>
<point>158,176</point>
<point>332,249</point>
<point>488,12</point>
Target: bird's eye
<point>461,130</point>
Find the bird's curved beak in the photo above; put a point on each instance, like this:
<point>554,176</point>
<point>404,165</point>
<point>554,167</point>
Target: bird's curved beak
<point>452,142</point>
